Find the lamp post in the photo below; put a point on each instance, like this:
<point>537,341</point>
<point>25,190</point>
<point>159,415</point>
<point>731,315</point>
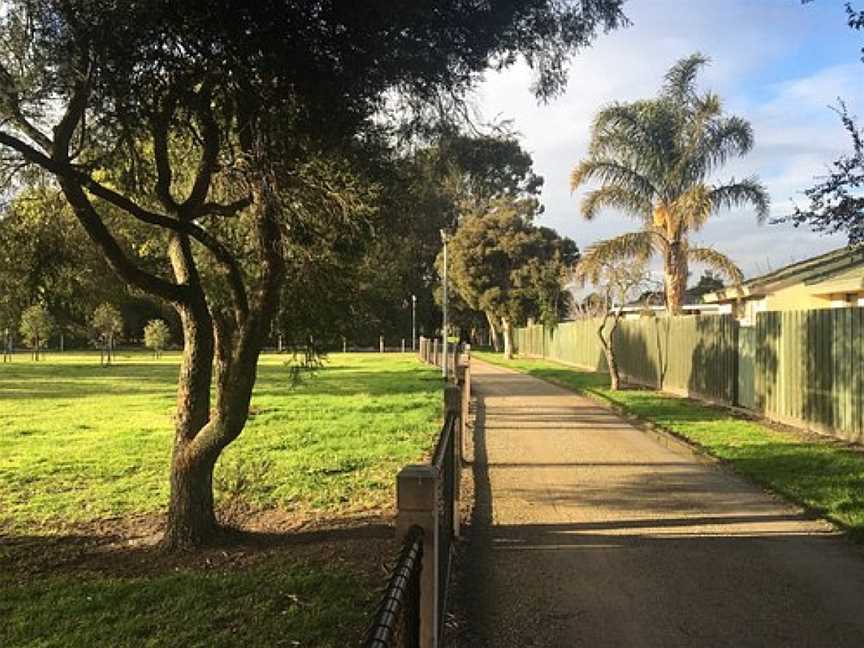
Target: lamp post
<point>414,322</point>
<point>445,323</point>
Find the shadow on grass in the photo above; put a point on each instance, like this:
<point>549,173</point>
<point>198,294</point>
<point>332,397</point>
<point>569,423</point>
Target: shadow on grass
<point>72,381</point>
<point>309,588</point>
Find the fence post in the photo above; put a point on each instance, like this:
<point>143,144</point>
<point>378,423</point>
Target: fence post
<point>403,345</point>
<point>463,372</point>
<point>381,344</point>
<point>453,405</point>
<point>416,491</point>
<point>435,352</point>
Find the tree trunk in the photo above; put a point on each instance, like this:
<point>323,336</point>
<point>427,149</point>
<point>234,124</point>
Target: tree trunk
<point>675,278</point>
<point>607,343</point>
<point>493,333</point>
<point>191,514</point>
<point>507,330</point>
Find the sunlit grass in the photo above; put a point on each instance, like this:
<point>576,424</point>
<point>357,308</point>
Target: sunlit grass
<point>79,442</point>
<point>818,473</point>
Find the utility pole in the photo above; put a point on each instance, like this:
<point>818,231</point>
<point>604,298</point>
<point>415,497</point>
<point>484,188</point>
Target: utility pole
<point>414,322</point>
<point>444,325</point>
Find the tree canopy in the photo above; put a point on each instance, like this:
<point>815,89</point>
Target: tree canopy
<point>231,134</point>
<point>502,264</point>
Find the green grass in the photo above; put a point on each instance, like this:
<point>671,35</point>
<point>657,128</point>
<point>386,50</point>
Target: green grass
<point>275,605</point>
<point>80,445</point>
<point>818,473</point>
<point>79,442</point>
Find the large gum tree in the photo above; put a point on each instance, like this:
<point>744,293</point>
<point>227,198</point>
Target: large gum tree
<point>654,160</point>
<point>205,125</point>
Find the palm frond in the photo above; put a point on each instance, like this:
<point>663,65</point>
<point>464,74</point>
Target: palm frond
<point>717,261</point>
<point>742,192</point>
<point>681,78</point>
<point>725,138</point>
<point>610,172</point>
<point>616,197</point>
<point>633,245</point>
<point>694,206</point>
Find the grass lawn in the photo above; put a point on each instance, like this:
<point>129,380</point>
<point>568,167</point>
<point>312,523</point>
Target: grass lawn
<point>84,450</point>
<point>816,472</point>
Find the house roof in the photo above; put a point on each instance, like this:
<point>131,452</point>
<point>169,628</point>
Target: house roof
<point>814,270</point>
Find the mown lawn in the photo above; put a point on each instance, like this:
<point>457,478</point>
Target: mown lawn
<point>79,442</point>
<point>818,473</point>
<point>83,449</point>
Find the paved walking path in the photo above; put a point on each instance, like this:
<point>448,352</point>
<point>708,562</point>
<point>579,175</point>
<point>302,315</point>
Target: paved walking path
<point>587,532</point>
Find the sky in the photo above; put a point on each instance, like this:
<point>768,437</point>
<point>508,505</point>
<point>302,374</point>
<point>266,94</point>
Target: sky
<point>777,63</point>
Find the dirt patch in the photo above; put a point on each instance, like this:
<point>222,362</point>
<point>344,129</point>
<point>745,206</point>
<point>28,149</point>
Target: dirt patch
<point>128,547</point>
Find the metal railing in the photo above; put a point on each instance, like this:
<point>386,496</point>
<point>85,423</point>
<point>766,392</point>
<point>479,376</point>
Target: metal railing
<point>397,621</point>
<point>444,460</point>
<point>428,513</point>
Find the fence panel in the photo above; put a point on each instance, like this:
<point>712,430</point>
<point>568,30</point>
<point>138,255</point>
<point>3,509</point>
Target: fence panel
<point>801,367</point>
<point>809,369</point>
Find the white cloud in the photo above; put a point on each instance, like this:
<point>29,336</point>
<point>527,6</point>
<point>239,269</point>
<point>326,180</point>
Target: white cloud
<point>763,67</point>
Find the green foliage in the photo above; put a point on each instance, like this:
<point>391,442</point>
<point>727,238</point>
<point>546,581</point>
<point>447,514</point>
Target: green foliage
<point>36,327</point>
<point>333,442</point>
<point>156,336</point>
<point>502,264</point>
<point>818,473</point>
<point>654,160</point>
<point>107,321</point>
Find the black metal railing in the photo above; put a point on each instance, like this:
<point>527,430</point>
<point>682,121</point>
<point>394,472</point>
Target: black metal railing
<point>397,621</point>
<point>408,602</point>
<point>444,461</point>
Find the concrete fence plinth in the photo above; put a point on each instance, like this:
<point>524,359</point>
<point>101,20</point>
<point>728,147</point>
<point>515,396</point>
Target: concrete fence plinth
<point>416,492</point>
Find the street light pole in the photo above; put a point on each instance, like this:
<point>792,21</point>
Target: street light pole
<point>445,323</point>
<point>413,322</point>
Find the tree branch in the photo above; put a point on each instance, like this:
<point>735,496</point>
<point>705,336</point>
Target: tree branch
<point>209,154</point>
<point>160,153</point>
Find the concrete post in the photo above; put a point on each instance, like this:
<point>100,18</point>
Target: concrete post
<point>403,345</point>
<point>453,405</point>
<point>464,374</point>
<point>381,344</point>
<point>344,345</point>
<point>416,489</point>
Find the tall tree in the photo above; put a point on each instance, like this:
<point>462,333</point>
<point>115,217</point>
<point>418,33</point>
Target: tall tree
<point>196,120</point>
<point>502,264</point>
<point>654,159</point>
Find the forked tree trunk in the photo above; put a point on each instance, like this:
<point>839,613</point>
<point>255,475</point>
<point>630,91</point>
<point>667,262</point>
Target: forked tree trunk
<point>493,333</point>
<point>507,330</point>
<point>608,346</point>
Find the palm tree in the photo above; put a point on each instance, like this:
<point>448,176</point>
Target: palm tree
<point>653,159</point>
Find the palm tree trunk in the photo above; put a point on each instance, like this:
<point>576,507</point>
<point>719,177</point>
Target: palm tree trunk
<point>675,278</point>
